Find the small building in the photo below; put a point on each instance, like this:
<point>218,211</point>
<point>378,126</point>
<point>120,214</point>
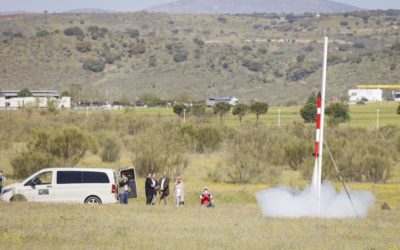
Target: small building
<point>365,95</point>
<point>212,101</point>
<point>39,99</point>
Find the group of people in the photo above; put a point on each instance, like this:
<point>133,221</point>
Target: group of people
<point>153,187</point>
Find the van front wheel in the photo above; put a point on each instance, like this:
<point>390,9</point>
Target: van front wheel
<point>92,200</point>
<point>17,198</point>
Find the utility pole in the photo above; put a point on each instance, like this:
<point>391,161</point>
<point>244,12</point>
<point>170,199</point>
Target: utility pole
<point>377,119</point>
<point>279,117</point>
<point>184,115</point>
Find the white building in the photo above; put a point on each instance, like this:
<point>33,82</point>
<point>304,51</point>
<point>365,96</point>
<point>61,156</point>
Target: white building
<point>365,95</point>
<point>39,99</point>
<point>212,101</point>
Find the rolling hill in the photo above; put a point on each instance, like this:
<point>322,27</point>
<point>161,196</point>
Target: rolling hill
<point>253,6</point>
<point>269,58</point>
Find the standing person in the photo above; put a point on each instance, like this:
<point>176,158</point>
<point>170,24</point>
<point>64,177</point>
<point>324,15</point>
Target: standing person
<point>179,192</point>
<point>148,187</point>
<point>2,180</point>
<point>123,199</point>
<point>155,189</point>
<point>164,188</point>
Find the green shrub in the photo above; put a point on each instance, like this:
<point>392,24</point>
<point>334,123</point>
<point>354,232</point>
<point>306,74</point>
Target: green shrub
<point>240,110</point>
<point>295,152</point>
<point>137,48</point>
<point>25,92</point>
<point>158,149</point>
<point>199,42</point>
<point>94,65</point>
<point>338,112</point>
<point>179,109</point>
<point>309,111</point>
<point>252,65</point>
<point>84,46</point>
<point>133,33</point>
<point>74,31</point>
<point>181,56</point>
<point>111,149</point>
<point>42,33</point>
<point>259,108</point>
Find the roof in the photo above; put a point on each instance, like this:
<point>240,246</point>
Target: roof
<point>35,93</point>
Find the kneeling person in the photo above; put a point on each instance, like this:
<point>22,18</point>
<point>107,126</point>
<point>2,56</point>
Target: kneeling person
<point>206,198</point>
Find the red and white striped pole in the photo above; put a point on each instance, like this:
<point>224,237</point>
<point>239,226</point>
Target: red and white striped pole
<point>319,140</point>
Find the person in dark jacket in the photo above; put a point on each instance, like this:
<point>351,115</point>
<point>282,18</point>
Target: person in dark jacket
<point>149,189</point>
<point>164,188</point>
<point>155,188</point>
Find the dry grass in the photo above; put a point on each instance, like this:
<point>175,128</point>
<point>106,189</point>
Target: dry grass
<point>228,226</point>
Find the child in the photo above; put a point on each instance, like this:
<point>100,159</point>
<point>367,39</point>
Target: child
<point>179,192</point>
<point>206,198</point>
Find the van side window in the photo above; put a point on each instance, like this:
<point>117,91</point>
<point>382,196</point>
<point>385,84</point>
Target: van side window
<point>69,177</point>
<point>95,177</point>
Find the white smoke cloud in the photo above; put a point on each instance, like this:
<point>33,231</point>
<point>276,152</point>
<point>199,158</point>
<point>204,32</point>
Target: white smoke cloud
<point>289,202</point>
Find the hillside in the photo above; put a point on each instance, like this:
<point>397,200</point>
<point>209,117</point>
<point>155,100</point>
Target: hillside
<point>253,6</point>
<point>254,57</point>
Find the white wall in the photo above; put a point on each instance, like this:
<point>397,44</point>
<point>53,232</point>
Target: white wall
<point>37,102</point>
<point>373,95</point>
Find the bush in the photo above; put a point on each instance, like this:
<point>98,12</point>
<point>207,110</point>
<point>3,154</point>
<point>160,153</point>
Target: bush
<point>111,149</point>
<point>179,109</point>
<point>84,47</point>
<point>139,47</point>
<point>344,23</point>
<point>151,100</point>
<point>63,147</point>
<point>252,65</point>
<point>249,157</point>
<point>295,152</point>
<point>309,111</point>
<point>25,92</point>
<point>247,48</point>
<point>202,139</point>
<point>94,65</point>
<point>158,149</point>
<point>181,56</point>
<point>339,112</point>
<point>359,45</point>
<point>133,33</point>
<point>74,31</point>
<point>199,42</point>
<point>300,58</point>
<point>42,33</point>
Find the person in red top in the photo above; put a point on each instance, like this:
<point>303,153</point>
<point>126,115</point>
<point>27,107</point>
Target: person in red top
<point>206,198</point>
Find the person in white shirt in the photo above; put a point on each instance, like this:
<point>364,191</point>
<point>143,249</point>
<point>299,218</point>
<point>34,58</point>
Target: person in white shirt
<point>2,180</point>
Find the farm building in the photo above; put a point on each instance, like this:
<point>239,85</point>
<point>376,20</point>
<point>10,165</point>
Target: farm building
<point>365,95</point>
<point>39,99</point>
<point>212,101</point>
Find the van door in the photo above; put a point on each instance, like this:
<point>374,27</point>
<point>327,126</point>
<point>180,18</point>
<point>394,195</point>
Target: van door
<point>39,188</point>
<point>131,174</point>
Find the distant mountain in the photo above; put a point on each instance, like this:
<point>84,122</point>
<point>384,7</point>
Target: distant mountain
<point>90,10</point>
<point>9,13</point>
<point>252,6</point>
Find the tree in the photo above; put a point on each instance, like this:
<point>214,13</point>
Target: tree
<point>198,109</point>
<point>240,110</point>
<point>151,100</point>
<point>309,111</point>
<point>74,31</point>
<point>337,112</point>
<point>221,109</point>
<point>25,92</point>
<point>259,108</point>
<point>94,65</point>
<point>179,109</point>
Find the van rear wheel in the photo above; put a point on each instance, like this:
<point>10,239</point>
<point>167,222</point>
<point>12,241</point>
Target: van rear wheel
<point>92,200</point>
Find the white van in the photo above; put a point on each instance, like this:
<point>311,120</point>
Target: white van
<point>65,185</point>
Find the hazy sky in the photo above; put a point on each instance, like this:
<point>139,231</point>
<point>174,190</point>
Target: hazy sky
<point>135,5</point>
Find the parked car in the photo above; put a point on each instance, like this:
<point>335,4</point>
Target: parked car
<point>65,185</point>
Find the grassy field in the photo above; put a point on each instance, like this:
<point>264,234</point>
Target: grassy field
<point>235,223</point>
